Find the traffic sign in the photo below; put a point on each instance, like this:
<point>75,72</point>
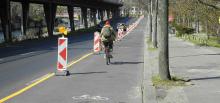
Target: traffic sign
<point>62,57</point>
<point>62,54</point>
<point>97,45</point>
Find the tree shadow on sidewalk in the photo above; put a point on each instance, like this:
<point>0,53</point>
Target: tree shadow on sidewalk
<point>196,55</point>
<point>121,63</point>
<point>205,78</point>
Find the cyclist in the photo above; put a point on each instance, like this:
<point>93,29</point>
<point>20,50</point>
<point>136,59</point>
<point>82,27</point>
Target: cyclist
<point>108,35</point>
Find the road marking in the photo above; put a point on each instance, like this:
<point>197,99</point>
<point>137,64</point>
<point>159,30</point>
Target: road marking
<point>27,53</point>
<point>1,59</point>
<point>83,57</point>
<point>35,80</point>
<point>27,88</point>
<point>38,81</point>
<point>88,97</point>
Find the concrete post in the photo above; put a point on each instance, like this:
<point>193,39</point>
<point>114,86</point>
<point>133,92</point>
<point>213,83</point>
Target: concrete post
<point>81,17</point>
<point>50,13</point>
<point>71,17</point>
<point>94,12</point>
<point>84,16</point>
<point>113,14</point>
<point>108,14</point>
<point>25,12</point>
<point>6,20</point>
<point>101,14</point>
<point>118,12</point>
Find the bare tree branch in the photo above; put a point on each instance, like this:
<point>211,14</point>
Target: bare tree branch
<point>210,5</point>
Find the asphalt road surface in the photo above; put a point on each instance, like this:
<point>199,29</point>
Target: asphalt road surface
<point>92,81</point>
<point>24,63</point>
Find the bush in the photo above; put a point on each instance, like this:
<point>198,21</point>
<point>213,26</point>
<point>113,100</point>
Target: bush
<point>181,30</point>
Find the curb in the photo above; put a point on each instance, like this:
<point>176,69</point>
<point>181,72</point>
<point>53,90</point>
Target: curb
<point>148,90</point>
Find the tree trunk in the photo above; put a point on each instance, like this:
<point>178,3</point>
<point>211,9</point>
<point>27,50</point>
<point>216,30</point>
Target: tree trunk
<point>197,24</point>
<point>163,41</point>
<point>150,21</point>
<point>188,22</point>
<point>218,34</point>
<point>154,30</point>
<point>207,28</point>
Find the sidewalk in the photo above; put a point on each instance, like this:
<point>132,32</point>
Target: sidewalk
<point>92,81</point>
<point>199,64</point>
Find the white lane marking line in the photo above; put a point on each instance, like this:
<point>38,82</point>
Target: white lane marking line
<point>27,53</point>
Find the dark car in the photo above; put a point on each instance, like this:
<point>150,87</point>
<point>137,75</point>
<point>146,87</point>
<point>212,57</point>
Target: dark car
<point>121,26</point>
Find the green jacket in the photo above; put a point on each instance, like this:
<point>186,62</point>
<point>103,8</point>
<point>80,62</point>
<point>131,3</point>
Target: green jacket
<point>113,34</point>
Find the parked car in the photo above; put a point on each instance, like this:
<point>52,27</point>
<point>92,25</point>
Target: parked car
<point>122,26</point>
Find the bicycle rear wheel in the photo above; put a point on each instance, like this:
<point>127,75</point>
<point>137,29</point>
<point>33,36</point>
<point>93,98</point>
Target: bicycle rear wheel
<point>107,59</point>
<point>107,53</point>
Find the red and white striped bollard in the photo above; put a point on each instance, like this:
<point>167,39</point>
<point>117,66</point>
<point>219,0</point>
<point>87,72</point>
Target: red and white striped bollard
<point>62,57</point>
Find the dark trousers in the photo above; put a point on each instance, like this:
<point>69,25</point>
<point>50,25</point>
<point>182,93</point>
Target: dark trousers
<point>110,44</point>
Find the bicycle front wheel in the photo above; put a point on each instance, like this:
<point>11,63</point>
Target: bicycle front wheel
<point>107,59</point>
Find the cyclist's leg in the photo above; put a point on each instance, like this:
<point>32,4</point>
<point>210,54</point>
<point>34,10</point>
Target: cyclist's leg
<point>105,44</point>
<point>102,46</point>
<point>111,45</point>
<point>110,48</point>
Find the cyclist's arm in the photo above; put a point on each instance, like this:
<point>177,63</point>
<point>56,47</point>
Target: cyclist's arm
<point>113,33</point>
<point>101,32</point>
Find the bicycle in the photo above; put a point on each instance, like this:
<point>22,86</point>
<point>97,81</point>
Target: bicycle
<point>107,55</point>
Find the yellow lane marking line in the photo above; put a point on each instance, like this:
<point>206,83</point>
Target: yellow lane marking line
<point>44,78</point>
<point>26,88</point>
<point>35,80</point>
<point>74,62</point>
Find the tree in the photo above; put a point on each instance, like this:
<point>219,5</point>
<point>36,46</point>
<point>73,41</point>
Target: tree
<point>149,14</point>
<point>128,4</point>
<point>207,4</point>
<point>151,7</point>
<point>202,14</point>
<point>163,40</point>
<point>154,23</point>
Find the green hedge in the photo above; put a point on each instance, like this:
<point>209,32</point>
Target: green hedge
<point>201,41</point>
<point>181,30</point>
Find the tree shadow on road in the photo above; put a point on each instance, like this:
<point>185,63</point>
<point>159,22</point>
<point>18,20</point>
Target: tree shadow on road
<point>88,73</point>
<point>122,63</point>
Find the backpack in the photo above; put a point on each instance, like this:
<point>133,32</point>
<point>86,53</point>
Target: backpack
<point>106,32</point>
